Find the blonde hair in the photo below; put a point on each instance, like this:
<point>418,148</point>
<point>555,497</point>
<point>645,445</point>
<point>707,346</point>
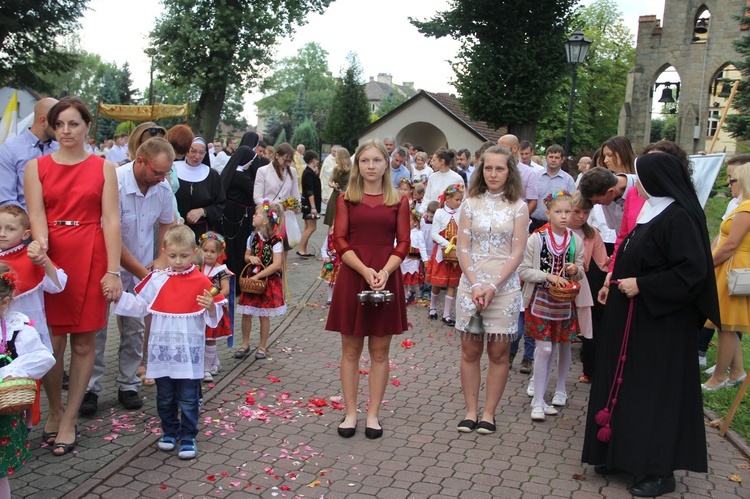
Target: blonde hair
<point>355,191</point>
<point>180,235</point>
<point>424,156</point>
<point>270,229</point>
<point>742,174</point>
<point>419,188</point>
<point>343,160</point>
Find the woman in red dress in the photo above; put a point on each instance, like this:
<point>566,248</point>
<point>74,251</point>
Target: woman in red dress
<point>369,217</point>
<point>73,208</point>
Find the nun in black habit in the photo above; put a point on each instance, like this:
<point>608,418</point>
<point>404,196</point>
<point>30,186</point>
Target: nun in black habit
<point>651,422</point>
<point>238,179</point>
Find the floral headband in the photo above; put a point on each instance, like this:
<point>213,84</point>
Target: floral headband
<point>555,195</point>
<point>270,212</point>
<point>10,280</point>
<point>416,214</point>
<point>216,237</point>
<point>454,189</point>
<point>405,181</point>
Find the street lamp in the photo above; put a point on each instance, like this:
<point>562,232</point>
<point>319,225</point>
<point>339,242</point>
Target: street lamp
<point>576,48</point>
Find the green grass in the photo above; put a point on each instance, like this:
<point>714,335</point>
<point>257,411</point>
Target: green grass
<point>720,401</point>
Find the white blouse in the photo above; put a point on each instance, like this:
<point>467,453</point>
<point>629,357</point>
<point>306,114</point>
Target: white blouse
<point>34,359</point>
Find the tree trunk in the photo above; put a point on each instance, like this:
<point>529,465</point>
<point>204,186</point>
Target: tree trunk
<point>524,131</point>
<point>208,111</point>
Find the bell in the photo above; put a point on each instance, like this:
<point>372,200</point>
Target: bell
<point>214,291</point>
<point>726,90</point>
<point>666,95</point>
<point>476,323</point>
<point>701,27</point>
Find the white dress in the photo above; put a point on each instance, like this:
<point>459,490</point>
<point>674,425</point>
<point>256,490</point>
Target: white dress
<point>34,360</point>
<point>177,340</point>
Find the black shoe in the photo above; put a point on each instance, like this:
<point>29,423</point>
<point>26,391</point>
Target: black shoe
<point>373,433</point>
<point>90,404</point>
<point>466,426</point>
<point>130,399</point>
<point>601,469</point>
<point>653,486</point>
<point>485,427</point>
<point>433,315</point>
<point>346,432</point>
<point>65,381</point>
<point>448,321</point>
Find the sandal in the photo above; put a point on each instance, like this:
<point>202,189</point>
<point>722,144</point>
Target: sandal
<point>48,437</point>
<point>261,353</point>
<point>141,373</point>
<point>67,448</point>
<point>242,353</point>
<point>305,255</point>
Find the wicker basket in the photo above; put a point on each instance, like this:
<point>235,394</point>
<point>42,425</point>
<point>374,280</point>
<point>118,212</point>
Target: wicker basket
<point>564,293</point>
<point>17,395</point>
<point>252,286</point>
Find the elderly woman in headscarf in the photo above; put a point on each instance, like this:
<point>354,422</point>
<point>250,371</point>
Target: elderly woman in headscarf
<point>200,198</point>
<point>645,409</point>
<point>238,179</point>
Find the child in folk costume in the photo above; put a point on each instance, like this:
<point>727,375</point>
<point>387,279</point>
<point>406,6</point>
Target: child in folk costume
<point>181,306</point>
<point>35,275</point>
<point>404,188</point>
<point>443,270</point>
<point>22,355</point>
<point>554,253</point>
<point>426,225</point>
<point>264,253</point>
<point>417,194</point>
<point>212,248</point>
<point>593,248</point>
<point>411,267</point>
<point>331,264</point>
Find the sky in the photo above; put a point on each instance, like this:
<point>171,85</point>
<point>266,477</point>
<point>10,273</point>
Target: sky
<point>377,30</point>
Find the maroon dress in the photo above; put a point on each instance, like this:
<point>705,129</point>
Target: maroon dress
<point>369,229</point>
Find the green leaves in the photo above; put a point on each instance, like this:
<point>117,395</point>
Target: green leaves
<point>350,110</point>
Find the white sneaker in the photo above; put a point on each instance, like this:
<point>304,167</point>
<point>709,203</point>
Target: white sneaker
<point>710,370</point>
<point>537,413</point>
<point>702,360</point>
<point>215,369</point>
<point>560,399</point>
<point>550,411</point>
<point>207,378</point>
<point>530,388</point>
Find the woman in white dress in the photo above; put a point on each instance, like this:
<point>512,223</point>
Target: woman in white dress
<point>492,233</point>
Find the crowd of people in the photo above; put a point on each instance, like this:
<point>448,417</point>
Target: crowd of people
<point>160,230</point>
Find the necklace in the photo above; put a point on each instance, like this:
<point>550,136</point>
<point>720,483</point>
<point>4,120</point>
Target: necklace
<point>558,248</point>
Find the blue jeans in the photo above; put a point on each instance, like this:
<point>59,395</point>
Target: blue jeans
<point>529,343</point>
<point>172,394</point>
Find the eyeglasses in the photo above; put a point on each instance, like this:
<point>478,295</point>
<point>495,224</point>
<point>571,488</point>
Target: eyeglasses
<point>731,181</point>
<point>153,131</point>
<point>157,174</point>
<point>197,151</point>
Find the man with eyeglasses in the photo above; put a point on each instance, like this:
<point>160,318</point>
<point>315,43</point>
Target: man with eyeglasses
<point>145,202</point>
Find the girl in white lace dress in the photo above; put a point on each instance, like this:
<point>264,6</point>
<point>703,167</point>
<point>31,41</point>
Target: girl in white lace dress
<point>492,233</point>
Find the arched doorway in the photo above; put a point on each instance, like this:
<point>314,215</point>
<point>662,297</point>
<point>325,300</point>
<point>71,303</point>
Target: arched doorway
<point>424,134</point>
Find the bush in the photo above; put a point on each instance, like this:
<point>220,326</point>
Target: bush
<point>307,135</point>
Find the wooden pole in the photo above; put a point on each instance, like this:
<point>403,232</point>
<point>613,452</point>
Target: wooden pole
<point>723,117</point>
<point>96,120</point>
<point>735,405</point>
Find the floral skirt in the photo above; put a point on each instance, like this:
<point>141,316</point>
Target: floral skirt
<point>329,275</point>
<point>443,274</point>
<point>224,328</point>
<point>267,304</point>
<point>14,444</point>
<point>557,331</point>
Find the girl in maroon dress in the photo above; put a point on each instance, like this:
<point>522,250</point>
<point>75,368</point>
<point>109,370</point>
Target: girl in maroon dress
<point>73,205</point>
<point>369,217</point>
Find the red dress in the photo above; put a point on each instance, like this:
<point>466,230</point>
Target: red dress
<point>73,193</point>
<point>369,229</point>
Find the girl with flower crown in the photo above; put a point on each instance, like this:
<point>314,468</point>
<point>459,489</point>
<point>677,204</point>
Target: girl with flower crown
<point>22,355</point>
<point>443,270</point>
<point>212,247</point>
<point>412,266</point>
<point>264,251</point>
<point>554,253</point>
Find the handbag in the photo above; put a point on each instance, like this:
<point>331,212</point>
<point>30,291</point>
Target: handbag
<point>738,280</point>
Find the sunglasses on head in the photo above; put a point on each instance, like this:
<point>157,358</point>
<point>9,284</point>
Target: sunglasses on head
<point>153,131</point>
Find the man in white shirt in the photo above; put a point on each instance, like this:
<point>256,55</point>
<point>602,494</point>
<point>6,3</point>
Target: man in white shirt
<point>119,151</point>
<point>222,157</point>
<point>552,179</point>
<point>145,200</point>
<point>600,186</point>
<point>525,152</point>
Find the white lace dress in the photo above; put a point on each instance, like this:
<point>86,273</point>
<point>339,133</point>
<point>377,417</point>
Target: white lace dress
<point>487,255</point>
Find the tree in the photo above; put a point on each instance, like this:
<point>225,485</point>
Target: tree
<point>280,139</point>
<point>306,134</point>
<point>738,125</point>
<point>28,40</point>
<point>350,110</point>
<point>602,79</point>
<point>299,113</point>
<point>390,102</point>
<point>306,72</point>
<point>511,57</point>
<point>216,44</point>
